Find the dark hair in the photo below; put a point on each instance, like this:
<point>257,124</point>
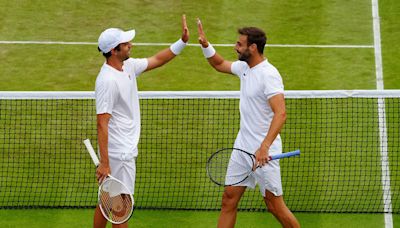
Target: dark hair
<point>108,54</point>
<point>254,36</point>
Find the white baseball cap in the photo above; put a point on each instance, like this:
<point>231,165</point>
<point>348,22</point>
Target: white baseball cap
<point>110,38</point>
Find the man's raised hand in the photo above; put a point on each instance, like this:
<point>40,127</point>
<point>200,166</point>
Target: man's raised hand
<point>185,30</point>
<point>202,37</point>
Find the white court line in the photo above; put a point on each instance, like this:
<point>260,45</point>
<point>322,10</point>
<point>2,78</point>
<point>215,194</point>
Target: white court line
<point>387,198</point>
<point>167,44</point>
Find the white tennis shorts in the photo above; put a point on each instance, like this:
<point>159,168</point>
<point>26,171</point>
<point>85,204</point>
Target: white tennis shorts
<point>125,171</point>
<point>267,177</point>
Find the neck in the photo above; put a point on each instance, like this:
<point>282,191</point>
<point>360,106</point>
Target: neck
<point>255,60</point>
<point>115,63</point>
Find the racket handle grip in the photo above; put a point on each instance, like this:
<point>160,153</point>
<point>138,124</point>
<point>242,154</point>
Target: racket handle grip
<point>285,155</point>
<point>91,151</point>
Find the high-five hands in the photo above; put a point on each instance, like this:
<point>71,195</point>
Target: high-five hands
<point>177,47</point>
<point>202,37</point>
<point>185,30</point>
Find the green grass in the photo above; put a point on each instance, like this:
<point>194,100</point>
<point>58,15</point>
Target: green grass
<point>390,29</point>
<point>74,67</point>
<point>181,219</point>
<point>57,68</point>
<point>295,21</point>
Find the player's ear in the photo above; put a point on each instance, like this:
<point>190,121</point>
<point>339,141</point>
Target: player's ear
<point>253,47</point>
<point>115,51</point>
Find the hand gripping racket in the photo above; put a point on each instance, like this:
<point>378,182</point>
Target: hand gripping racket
<point>115,200</point>
<point>217,165</point>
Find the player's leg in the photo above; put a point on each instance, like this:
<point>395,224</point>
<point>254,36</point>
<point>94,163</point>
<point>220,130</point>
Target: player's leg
<point>270,183</point>
<point>276,205</point>
<point>119,211</point>
<point>230,200</point>
<point>123,225</point>
<point>125,171</point>
<point>99,221</point>
<point>237,171</point>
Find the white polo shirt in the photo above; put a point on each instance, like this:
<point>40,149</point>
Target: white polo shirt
<point>117,94</point>
<point>257,85</point>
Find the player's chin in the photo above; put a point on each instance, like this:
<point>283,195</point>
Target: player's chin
<point>242,58</point>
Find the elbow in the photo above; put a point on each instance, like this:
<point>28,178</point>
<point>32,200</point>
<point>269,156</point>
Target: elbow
<point>99,125</point>
<point>102,125</point>
<point>218,69</point>
<point>216,64</point>
<point>102,121</point>
<point>282,116</point>
<point>99,122</point>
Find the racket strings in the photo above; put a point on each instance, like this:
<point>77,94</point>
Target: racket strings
<point>117,208</point>
<point>115,205</point>
<point>241,163</point>
<point>217,167</point>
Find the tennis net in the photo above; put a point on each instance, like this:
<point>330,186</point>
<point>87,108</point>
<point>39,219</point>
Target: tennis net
<point>349,142</point>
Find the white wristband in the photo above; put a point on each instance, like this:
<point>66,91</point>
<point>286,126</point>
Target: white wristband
<point>177,47</point>
<point>208,51</point>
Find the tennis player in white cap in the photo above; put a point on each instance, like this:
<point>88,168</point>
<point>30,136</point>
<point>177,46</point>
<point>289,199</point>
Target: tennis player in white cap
<point>117,105</point>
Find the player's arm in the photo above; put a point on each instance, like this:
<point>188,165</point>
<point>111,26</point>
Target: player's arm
<point>215,60</point>
<point>278,107</point>
<point>102,136</point>
<point>164,56</point>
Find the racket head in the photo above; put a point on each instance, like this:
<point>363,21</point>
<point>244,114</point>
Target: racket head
<point>218,163</point>
<point>115,200</point>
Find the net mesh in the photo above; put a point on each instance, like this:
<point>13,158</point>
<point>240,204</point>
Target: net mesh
<point>349,145</point>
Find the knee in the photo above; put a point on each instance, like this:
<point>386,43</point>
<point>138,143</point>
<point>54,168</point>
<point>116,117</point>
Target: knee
<point>271,208</point>
<point>229,201</point>
<point>275,205</point>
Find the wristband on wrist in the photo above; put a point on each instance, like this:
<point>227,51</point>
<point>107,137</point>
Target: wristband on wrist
<point>209,51</point>
<point>177,47</point>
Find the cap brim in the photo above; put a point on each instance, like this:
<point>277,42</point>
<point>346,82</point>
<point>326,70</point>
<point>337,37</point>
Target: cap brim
<point>127,36</point>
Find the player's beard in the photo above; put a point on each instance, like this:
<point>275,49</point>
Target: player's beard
<point>123,58</point>
<point>244,56</point>
<point>127,55</point>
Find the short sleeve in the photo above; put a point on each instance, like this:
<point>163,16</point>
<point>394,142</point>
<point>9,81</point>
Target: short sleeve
<point>273,85</point>
<point>106,95</point>
<point>238,68</point>
<point>138,66</point>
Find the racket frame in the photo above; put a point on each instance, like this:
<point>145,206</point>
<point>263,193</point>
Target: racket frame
<point>109,177</point>
<point>252,157</point>
<point>96,161</point>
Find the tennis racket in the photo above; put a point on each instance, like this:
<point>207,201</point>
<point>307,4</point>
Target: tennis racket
<point>217,165</point>
<point>115,200</point>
